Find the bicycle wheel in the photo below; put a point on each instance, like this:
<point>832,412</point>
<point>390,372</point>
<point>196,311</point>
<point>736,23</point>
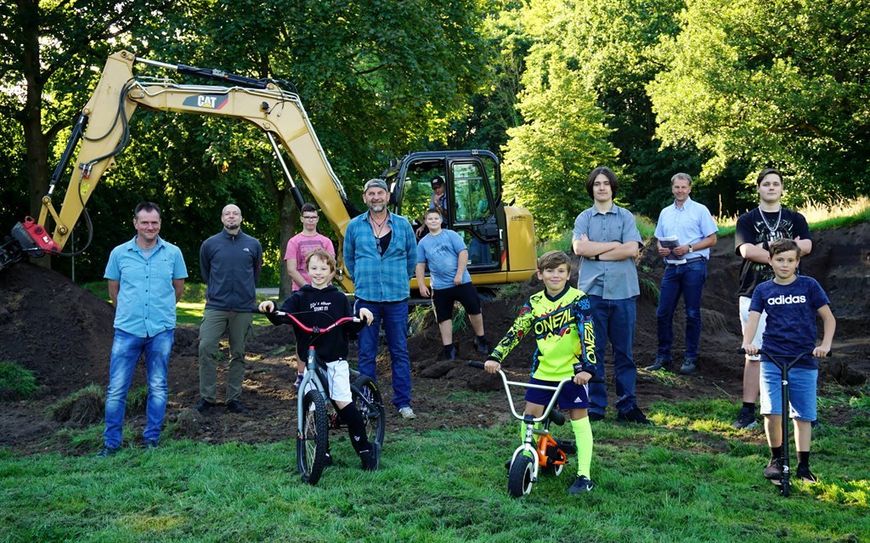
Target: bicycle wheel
<point>367,398</point>
<point>520,477</point>
<point>312,445</point>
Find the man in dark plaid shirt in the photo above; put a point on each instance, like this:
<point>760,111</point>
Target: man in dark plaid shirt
<point>380,252</point>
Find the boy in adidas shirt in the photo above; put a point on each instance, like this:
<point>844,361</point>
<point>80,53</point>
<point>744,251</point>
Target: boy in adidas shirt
<point>560,317</point>
<point>791,302</point>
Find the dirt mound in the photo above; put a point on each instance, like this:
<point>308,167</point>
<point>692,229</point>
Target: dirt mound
<point>64,334</point>
<point>61,332</point>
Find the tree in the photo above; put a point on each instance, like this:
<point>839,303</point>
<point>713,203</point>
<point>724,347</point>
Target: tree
<point>47,50</point>
<point>782,83</point>
<point>563,137</point>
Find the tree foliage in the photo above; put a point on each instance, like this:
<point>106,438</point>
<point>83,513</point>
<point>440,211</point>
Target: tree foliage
<point>782,83</point>
<point>563,136</point>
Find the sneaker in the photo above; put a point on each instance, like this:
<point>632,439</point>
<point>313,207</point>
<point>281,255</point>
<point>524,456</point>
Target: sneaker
<point>204,406</point>
<point>773,470</point>
<point>407,413</point>
<point>746,419</point>
<point>298,382</point>
<point>593,416</point>
<point>150,444</point>
<point>449,352</point>
<point>659,364</point>
<point>581,484</point>
<point>689,367</point>
<point>370,458</point>
<point>106,452</point>
<point>481,345</point>
<point>805,475</point>
<point>235,406</point>
<point>635,415</point>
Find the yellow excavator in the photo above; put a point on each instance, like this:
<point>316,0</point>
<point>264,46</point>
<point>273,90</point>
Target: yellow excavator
<point>500,237</point>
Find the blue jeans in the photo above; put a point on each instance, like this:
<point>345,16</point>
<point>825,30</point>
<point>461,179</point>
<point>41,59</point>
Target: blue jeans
<point>614,321</point>
<point>394,316</point>
<point>126,350</point>
<point>686,279</point>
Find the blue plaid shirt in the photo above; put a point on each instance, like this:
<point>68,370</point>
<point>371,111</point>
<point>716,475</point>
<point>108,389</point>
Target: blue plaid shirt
<point>377,277</point>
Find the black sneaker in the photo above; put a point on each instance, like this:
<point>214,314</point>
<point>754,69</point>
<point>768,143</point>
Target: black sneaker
<point>593,416</point>
<point>659,364</point>
<point>106,452</point>
<point>773,470</point>
<point>689,367</point>
<point>449,352</point>
<point>298,382</point>
<point>150,444</point>
<point>204,406</point>
<point>805,475</point>
<point>581,484</point>
<point>235,406</point>
<point>370,458</point>
<point>481,345</point>
<point>746,419</point>
<point>635,415</point>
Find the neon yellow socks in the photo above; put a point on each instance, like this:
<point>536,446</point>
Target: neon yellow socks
<point>583,434</point>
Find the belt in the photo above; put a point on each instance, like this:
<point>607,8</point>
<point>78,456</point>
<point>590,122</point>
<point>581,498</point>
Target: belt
<point>689,260</point>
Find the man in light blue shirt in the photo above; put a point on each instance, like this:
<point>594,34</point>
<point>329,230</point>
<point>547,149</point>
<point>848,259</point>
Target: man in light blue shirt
<point>145,280</point>
<point>685,233</point>
<point>606,236</point>
<point>380,253</point>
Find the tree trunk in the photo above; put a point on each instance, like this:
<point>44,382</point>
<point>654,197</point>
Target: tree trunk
<point>288,216</point>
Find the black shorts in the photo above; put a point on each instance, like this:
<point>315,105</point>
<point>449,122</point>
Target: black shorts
<point>465,294</point>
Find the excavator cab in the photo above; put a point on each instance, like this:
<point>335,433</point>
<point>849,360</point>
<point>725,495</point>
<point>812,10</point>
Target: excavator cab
<point>499,250</point>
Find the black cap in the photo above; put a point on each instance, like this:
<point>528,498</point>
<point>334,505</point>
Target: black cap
<point>437,180</point>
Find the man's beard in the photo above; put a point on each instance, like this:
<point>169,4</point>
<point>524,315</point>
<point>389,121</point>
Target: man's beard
<point>377,208</point>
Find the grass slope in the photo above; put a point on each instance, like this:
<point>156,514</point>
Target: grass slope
<point>691,478</point>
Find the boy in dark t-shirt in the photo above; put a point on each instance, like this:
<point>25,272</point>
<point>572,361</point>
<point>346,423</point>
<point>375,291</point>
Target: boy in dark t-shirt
<point>792,303</point>
<point>321,304</point>
<point>755,231</point>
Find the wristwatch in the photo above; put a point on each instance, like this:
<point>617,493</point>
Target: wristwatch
<point>690,248</point>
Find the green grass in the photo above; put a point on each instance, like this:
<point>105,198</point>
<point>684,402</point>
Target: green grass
<point>691,478</point>
<point>16,382</point>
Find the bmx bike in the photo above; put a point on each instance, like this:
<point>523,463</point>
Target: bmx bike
<point>539,452</point>
<point>317,412</point>
<point>784,366</point>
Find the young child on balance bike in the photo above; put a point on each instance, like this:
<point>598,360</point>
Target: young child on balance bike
<point>561,318</point>
<point>321,304</point>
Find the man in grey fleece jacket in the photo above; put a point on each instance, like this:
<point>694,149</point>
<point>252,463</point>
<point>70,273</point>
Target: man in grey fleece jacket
<point>230,263</point>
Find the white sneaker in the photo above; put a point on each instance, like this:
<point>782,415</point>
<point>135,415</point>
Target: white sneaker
<point>407,412</point>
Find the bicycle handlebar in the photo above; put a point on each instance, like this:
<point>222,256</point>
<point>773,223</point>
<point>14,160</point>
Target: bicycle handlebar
<point>481,366</point>
<point>315,329</point>
<point>741,350</point>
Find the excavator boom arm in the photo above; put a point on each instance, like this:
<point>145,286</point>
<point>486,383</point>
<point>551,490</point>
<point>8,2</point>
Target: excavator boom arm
<point>277,112</point>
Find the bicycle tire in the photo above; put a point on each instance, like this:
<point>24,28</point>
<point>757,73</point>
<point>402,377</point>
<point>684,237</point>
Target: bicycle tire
<point>520,476</point>
<point>368,400</point>
<point>312,445</point>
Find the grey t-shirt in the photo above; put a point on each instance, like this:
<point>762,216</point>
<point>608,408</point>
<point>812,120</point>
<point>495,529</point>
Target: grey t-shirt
<point>614,280</point>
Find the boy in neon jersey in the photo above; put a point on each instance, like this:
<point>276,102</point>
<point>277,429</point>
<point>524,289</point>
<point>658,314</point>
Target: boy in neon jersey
<point>560,317</point>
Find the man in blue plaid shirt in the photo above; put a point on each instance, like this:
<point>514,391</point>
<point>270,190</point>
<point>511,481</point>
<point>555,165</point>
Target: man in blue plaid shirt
<point>380,252</point>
